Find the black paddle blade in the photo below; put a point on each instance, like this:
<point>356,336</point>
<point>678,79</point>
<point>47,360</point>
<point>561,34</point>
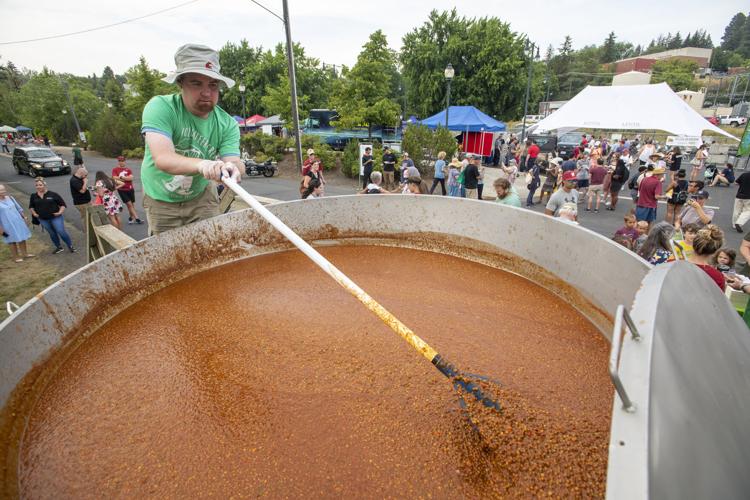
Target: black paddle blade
<point>463,382</point>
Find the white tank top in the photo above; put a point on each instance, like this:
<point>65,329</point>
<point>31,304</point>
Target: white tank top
<point>647,151</point>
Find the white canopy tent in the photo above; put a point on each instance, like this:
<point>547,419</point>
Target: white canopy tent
<point>629,107</point>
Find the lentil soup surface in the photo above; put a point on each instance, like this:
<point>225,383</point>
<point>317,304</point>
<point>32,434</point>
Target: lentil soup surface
<point>265,378</point>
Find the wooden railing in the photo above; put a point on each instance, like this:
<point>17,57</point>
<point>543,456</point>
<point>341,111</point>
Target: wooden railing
<point>103,238</point>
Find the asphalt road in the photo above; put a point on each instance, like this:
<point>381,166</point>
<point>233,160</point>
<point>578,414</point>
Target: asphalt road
<point>605,222</point>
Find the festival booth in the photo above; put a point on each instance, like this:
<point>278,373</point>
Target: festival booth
<point>476,128</point>
<point>628,107</point>
<point>251,124</point>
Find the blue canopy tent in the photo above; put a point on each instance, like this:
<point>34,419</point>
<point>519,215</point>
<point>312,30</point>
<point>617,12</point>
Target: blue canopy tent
<point>21,128</point>
<point>476,127</point>
<point>465,119</point>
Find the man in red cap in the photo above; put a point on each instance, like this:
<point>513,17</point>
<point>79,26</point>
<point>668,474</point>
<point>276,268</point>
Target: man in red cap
<point>127,193</point>
<point>566,194</point>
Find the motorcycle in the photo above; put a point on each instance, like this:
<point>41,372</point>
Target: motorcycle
<point>266,169</point>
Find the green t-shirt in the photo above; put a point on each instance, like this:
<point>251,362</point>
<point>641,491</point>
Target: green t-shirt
<point>209,138</point>
<point>511,199</point>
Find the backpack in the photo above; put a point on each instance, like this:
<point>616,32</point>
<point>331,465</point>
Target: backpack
<point>633,184</point>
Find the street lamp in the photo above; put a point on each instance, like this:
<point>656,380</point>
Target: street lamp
<point>244,114</point>
<point>449,72</point>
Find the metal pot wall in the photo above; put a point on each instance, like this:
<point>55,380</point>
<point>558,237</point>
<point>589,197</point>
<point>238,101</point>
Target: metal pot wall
<point>589,271</point>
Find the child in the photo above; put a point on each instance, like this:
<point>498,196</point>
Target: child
<point>105,188</point>
<point>454,187</point>
<point>623,240</point>
<point>725,260</point>
<point>550,181</point>
<point>642,228</point>
<point>511,171</point>
<point>628,230</point>
<point>684,246</point>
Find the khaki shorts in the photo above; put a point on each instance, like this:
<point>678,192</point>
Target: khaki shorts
<point>596,188</point>
<point>163,216</point>
<point>471,193</point>
<point>82,210</point>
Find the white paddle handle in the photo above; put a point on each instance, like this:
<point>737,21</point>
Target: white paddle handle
<point>343,280</point>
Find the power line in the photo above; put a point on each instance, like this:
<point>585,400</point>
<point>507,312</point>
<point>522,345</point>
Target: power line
<point>88,30</point>
<point>268,10</point>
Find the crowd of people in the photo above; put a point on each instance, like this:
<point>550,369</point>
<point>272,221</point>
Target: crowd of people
<point>177,186</point>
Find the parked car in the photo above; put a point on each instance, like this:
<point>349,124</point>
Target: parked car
<point>712,120</point>
<point>734,121</point>
<point>35,161</point>
<point>546,143</point>
<point>566,143</point>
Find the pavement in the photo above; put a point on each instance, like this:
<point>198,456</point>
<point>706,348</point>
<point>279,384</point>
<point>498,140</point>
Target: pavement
<point>605,222</point>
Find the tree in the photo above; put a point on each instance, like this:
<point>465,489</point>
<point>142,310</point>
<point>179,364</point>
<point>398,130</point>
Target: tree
<point>609,49</point>
<point>678,74</point>
<point>365,94</point>
<point>264,71</point>
<point>733,33</point>
<point>278,101</point>
<point>111,134</point>
<point>744,46</point>
<point>488,59</point>
<point>675,42</point>
<point>143,84</point>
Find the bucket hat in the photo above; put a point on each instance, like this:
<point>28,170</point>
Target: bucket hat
<point>192,58</point>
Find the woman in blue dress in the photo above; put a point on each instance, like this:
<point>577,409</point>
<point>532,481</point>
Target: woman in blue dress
<point>13,224</point>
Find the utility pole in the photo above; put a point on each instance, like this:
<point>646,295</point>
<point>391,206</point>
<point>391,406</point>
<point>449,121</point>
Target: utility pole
<point>716,97</point>
<point>529,46</point>
<point>81,136</point>
<point>734,88</point>
<point>293,86</point>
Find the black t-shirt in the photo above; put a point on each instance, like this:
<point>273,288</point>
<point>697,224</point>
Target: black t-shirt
<point>471,176</point>
<point>79,198</point>
<point>367,166</point>
<point>743,193</point>
<point>46,206</point>
<point>389,162</point>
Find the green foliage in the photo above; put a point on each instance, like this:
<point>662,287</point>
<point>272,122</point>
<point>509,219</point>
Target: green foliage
<point>677,73</point>
<point>423,145</point>
<point>278,101</point>
<point>365,95</point>
<point>350,159</point>
<point>265,73</point>
<point>733,32</point>
<point>269,145</point>
<point>111,134</point>
<point>488,58</point>
<point>133,153</point>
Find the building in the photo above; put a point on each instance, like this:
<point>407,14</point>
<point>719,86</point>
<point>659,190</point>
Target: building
<point>694,99</point>
<point>645,62</point>
<point>632,78</point>
<point>548,107</point>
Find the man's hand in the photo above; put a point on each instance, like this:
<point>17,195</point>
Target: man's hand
<point>211,169</point>
<point>229,169</point>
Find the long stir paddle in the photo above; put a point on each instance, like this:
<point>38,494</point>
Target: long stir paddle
<point>460,380</point>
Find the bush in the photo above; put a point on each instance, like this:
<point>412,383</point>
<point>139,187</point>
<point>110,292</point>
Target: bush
<point>270,145</point>
<point>112,134</point>
<point>133,153</point>
<point>424,144</point>
<point>350,159</point>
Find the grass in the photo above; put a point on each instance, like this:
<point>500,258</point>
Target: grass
<point>19,282</point>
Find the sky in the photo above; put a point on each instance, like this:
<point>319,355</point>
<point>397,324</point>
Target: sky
<point>330,30</point>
